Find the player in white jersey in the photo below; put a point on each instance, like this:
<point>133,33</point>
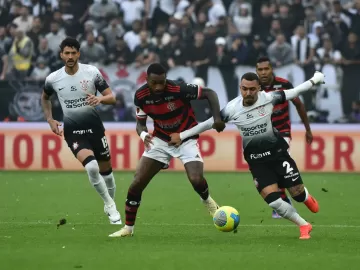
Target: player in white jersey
<point>76,85</point>
<point>265,150</point>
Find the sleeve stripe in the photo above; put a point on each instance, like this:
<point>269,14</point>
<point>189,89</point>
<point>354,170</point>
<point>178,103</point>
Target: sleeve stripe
<point>199,92</point>
<point>141,116</point>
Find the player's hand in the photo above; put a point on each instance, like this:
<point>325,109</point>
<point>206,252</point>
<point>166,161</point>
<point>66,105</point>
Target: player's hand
<point>54,125</point>
<point>318,78</point>
<point>93,100</point>
<point>148,141</point>
<point>219,126</point>
<point>309,137</point>
<point>175,140</point>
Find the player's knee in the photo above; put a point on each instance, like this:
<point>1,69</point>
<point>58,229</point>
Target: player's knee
<point>196,179</point>
<point>91,166</point>
<point>298,193</point>
<point>272,197</point>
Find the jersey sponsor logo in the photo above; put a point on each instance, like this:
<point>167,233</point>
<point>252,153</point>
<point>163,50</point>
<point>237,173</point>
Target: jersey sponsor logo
<point>190,96</point>
<point>73,88</point>
<point>75,145</point>
<point>169,98</point>
<point>149,102</point>
<point>254,130</point>
<point>249,116</point>
<point>82,131</point>
<point>177,122</point>
<point>260,155</point>
<point>75,103</point>
<point>261,110</point>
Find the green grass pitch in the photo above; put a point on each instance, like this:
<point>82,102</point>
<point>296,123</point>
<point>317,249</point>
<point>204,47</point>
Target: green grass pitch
<point>173,229</point>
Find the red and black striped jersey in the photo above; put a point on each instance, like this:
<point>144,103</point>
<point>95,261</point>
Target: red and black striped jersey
<point>171,110</point>
<point>280,117</point>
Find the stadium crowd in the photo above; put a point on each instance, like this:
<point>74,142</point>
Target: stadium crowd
<point>198,34</point>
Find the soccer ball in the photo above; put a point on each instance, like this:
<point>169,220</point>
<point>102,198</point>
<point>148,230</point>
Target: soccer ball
<point>226,219</point>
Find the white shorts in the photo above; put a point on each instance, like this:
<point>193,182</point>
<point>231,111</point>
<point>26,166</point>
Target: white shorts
<point>161,151</point>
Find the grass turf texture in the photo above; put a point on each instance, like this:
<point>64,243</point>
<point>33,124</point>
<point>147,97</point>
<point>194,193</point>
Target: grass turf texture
<point>173,229</point>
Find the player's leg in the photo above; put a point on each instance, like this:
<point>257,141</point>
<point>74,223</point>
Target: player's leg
<point>283,190</point>
<point>189,154</point>
<point>87,158</point>
<point>107,173</point>
<point>151,162</point>
<point>265,178</point>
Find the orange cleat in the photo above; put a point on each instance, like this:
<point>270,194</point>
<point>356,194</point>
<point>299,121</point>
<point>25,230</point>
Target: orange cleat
<point>312,204</point>
<point>305,231</point>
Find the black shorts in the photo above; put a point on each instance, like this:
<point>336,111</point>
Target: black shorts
<point>96,142</point>
<point>282,171</point>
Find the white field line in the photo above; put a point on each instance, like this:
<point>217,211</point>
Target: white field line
<point>41,222</point>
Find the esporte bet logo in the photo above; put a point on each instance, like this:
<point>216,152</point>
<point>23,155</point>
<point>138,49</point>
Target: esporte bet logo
<point>254,130</point>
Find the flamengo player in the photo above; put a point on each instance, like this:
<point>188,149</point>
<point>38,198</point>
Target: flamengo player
<point>280,117</point>
<point>76,85</point>
<point>265,150</point>
<point>168,104</point>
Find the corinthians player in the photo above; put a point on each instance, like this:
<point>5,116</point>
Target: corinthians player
<point>76,85</point>
<point>264,149</point>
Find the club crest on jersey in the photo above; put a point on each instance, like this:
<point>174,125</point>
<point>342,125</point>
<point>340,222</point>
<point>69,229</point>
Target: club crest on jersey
<point>171,106</point>
<point>261,110</point>
<point>84,85</point>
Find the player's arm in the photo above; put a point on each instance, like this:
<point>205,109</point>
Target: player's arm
<point>141,127</point>
<point>102,86</point>
<point>193,91</point>
<point>279,97</point>
<point>47,108</point>
<point>303,116</point>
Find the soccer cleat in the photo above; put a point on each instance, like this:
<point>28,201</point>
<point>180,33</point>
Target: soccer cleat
<point>211,205</point>
<point>123,232</point>
<point>275,214</point>
<point>312,204</point>
<point>305,231</point>
<point>113,214</point>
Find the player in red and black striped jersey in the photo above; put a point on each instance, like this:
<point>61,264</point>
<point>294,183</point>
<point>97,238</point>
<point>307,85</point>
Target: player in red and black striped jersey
<point>280,117</point>
<point>168,103</point>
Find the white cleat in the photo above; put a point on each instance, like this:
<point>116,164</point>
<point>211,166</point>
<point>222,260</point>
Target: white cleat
<point>113,214</point>
<point>123,232</point>
<point>211,205</point>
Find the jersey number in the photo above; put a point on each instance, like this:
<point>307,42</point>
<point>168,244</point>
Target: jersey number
<point>287,166</point>
<point>104,142</point>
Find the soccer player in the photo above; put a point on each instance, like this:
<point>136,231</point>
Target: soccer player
<point>280,117</point>
<point>265,150</point>
<point>76,85</point>
<point>168,103</point>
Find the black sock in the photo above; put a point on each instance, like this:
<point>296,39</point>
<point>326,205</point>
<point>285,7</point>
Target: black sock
<point>284,197</point>
<point>202,189</point>
<point>131,206</point>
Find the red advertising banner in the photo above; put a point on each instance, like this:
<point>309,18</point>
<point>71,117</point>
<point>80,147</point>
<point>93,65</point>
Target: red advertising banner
<point>33,147</point>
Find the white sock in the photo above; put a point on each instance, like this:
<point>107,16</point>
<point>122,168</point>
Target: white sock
<point>287,211</point>
<point>306,194</point>
<point>92,169</point>
<point>131,228</point>
<point>110,183</point>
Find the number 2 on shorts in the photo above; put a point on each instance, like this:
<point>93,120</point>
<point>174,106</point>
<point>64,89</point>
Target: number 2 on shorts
<point>104,142</point>
<point>287,166</point>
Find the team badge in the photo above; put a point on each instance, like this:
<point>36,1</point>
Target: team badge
<point>261,110</point>
<point>84,85</point>
<point>171,106</point>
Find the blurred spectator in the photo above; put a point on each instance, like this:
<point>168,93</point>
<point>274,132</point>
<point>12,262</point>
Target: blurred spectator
<point>238,51</point>
<point>132,37</point>
<point>198,55</point>
<point>280,52</point>
<point>161,37</point>
<point>263,21</point>
<point>173,53</point>
<point>210,32</point>
<point>145,51</point>
<point>43,51</point>
<point>89,27</point>
<point>36,32</point>
<point>275,29</point>
<point>101,12</point>
<point>41,71</point>
<point>91,51</point>
<point>55,37</point>
<point>355,114</point>
<point>121,112</point>
<point>114,30</point>
<point>5,41</point>
<point>121,52</point>
<point>256,50</point>
<point>327,54</point>
<point>21,53</point>
<point>243,21</point>
<point>236,5</point>
<point>158,11</point>
<point>24,21</point>
<point>215,11</point>
<point>221,57</point>
<point>132,10</point>
<point>3,64</point>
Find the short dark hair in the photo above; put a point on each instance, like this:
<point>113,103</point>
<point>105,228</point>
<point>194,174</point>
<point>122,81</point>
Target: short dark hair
<point>156,69</point>
<point>70,42</point>
<point>263,59</point>
<point>250,76</point>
